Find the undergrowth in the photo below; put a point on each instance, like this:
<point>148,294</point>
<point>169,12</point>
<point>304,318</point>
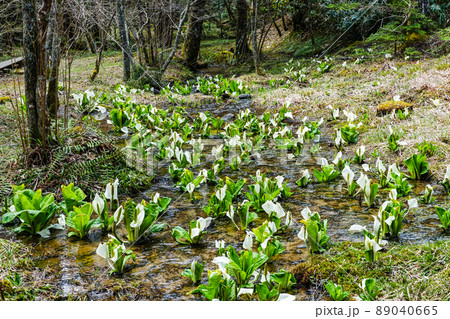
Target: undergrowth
<point>87,158</point>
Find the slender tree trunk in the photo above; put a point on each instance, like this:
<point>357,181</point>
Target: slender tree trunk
<point>298,17</point>
<point>177,39</point>
<point>151,41</point>
<point>424,7</point>
<point>193,38</point>
<point>42,70</point>
<point>90,42</point>
<point>229,11</point>
<point>30,41</point>
<point>144,43</point>
<point>310,22</point>
<point>254,37</point>
<point>102,47</point>
<point>124,40</point>
<point>137,39</point>
<point>242,49</point>
<point>284,22</point>
<point>278,29</point>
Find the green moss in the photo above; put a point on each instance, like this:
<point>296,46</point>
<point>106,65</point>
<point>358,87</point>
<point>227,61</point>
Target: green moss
<point>4,99</point>
<point>388,106</point>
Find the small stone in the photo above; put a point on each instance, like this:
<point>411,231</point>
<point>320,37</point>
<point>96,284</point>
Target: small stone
<point>245,97</point>
<point>288,120</point>
<point>228,117</point>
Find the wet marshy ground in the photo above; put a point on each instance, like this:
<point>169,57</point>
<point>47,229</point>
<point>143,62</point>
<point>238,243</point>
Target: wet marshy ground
<point>73,266</point>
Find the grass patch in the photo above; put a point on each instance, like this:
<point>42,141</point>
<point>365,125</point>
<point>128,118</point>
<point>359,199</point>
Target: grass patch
<point>305,48</point>
<point>14,256</point>
<point>412,272</point>
<point>14,260</point>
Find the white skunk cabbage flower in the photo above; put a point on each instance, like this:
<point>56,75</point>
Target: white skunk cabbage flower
<point>221,192</point>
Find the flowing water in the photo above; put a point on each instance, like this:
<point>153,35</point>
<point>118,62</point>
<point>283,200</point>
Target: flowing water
<point>78,272</point>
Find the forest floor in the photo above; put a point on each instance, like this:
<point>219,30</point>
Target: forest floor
<point>356,80</point>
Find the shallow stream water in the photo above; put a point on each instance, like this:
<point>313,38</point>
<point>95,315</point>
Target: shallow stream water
<point>80,273</point>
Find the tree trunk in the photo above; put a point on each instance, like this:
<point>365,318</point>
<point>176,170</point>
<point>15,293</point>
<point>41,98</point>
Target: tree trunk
<point>177,39</point>
<point>277,28</point>
<point>151,41</point>
<point>298,16</point>
<point>42,70</point>
<point>30,41</point>
<point>192,41</point>
<point>34,39</point>
<point>124,40</point>
<point>102,47</point>
<point>144,43</point>
<point>242,49</point>
<point>54,55</point>
<point>137,40</point>
<point>229,11</point>
<point>90,42</point>
<point>284,22</point>
<point>164,30</point>
<point>424,7</point>
<point>310,22</point>
<point>254,37</point>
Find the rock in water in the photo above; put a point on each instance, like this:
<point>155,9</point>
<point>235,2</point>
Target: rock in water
<point>228,117</point>
<point>245,97</point>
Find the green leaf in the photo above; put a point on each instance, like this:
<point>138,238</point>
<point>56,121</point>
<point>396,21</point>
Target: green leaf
<point>265,294</point>
<point>73,196</point>
<point>157,228</point>
<point>9,217</point>
<point>181,236</point>
<point>79,220</point>
<point>284,279</point>
<point>417,166</point>
<point>25,202</point>
<point>444,216</point>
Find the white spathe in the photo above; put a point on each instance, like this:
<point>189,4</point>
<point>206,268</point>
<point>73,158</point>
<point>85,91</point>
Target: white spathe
<point>305,173</point>
<point>98,205</point>
<point>118,215</point>
<point>301,234</point>
<point>190,188</point>
<point>393,194</point>
<point>348,175</point>
<point>337,158</point>
<point>379,166</point>
<point>412,203</point>
<point>306,213</point>
<point>356,229</point>
<point>220,194</point>
<point>248,242</point>
<point>139,218</point>
<point>220,244</point>
<point>389,220</point>
<point>447,174</point>
<point>270,207</point>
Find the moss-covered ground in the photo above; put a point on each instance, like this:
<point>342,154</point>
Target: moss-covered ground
<point>402,272</point>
